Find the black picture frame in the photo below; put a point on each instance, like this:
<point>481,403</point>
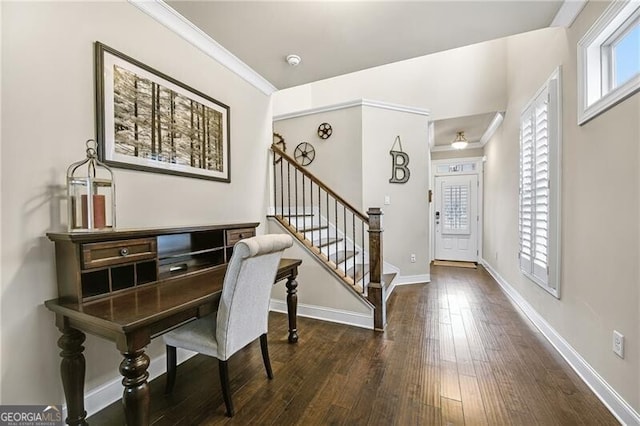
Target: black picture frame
<point>148,121</point>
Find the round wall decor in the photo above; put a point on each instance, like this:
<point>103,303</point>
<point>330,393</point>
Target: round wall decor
<point>324,131</point>
<point>304,153</point>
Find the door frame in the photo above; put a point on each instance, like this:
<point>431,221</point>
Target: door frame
<point>479,171</point>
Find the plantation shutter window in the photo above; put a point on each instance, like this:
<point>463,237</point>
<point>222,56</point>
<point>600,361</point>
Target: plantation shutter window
<point>526,193</point>
<point>539,185</point>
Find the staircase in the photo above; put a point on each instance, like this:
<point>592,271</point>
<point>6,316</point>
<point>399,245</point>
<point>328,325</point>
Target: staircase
<point>346,241</point>
<point>337,250</point>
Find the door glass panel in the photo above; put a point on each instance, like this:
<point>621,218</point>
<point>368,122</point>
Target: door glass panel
<point>456,209</point>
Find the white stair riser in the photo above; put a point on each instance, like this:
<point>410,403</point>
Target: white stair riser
<point>320,235</point>
<point>302,222</point>
<point>349,264</point>
<point>341,264</point>
<point>331,248</point>
<point>316,235</point>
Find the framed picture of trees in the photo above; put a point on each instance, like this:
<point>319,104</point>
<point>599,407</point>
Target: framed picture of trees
<point>149,121</point>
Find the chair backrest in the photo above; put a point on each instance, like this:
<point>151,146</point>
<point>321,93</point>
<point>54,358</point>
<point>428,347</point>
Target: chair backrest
<point>244,305</point>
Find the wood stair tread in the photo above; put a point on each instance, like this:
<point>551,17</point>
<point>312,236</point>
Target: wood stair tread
<point>360,271</point>
<point>342,255</point>
<point>313,228</point>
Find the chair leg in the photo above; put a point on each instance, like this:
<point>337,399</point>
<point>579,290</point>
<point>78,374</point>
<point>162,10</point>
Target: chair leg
<point>171,369</point>
<point>226,390</point>
<point>265,355</point>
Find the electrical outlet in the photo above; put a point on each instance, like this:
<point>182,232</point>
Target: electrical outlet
<point>618,343</point>
<point>413,258</point>
<point>387,200</point>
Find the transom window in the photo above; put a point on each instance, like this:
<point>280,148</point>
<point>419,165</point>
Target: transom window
<point>625,55</point>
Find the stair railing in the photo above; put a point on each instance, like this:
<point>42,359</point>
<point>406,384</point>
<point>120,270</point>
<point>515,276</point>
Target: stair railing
<point>300,195</point>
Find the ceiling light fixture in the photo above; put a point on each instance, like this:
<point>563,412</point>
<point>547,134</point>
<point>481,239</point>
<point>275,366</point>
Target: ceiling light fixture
<point>460,142</point>
<point>293,60</point>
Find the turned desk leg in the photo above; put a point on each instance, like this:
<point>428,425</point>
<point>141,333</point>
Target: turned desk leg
<point>292,308</point>
<point>136,389</point>
<point>72,369</point>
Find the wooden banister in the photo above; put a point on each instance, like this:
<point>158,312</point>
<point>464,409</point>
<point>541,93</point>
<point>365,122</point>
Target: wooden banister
<point>349,226</point>
<point>376,287</point>
<point>318,182</point>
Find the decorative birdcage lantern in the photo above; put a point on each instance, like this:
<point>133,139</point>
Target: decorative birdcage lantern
<point>91,194</point>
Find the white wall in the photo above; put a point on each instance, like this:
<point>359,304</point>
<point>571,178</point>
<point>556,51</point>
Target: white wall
<point>47,114</point>
<point>338,160</point>
<point>600,201</point>
<point>318,287</point>
<point>601,254</point>
<point>465,81</point>
<point>455,83</point>
<point>405,221</point>
<point>357,165</point>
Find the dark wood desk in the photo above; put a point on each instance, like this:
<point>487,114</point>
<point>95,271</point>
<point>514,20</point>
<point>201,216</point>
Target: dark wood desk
<point>131,319</point>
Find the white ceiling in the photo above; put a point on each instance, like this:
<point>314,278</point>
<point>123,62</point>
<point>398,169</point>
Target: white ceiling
<point>338,37</point>
<point>473,126</point>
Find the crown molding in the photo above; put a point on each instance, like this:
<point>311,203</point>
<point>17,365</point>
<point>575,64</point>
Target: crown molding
<point>491,129</point>
<point>448,147</point>
<point>568,13</point>
<point>395,107</point>
<point>170,18</point>
<point>352,104</point>
<point>432,134</point>
<point>317,110</point>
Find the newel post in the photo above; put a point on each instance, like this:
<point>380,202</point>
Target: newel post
<point>376,288</point>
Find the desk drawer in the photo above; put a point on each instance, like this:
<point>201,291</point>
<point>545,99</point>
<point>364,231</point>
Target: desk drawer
<point>235,235</point>
<point>97,255</point>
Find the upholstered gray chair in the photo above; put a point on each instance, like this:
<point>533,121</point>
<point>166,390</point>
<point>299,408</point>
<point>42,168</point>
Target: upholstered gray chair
<point>242,315</point>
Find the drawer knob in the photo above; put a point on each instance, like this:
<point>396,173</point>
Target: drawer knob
<point>240,236</point>
<point>124,251</point>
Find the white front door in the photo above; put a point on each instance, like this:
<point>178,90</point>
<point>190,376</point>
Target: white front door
<point>456,218</point>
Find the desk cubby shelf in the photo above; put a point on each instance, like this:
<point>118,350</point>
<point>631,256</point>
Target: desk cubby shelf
<point>92,265</point>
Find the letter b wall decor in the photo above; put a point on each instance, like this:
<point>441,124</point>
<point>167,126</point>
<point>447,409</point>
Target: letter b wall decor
<point>399,164</point>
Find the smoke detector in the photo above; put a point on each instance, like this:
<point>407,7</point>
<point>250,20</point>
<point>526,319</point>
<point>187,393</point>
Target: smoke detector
<point>293,60</point>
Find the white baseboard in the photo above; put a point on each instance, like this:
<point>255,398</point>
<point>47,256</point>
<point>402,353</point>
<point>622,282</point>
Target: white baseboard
<point>339,316</point>
<point>390,291</point>
<point>609,397</point>
<point>101,397</point>
<point>412,279</point>
<point>405,280</point>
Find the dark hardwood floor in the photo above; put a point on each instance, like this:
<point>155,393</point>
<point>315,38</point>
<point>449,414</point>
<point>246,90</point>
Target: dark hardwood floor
<point>456,351</point>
